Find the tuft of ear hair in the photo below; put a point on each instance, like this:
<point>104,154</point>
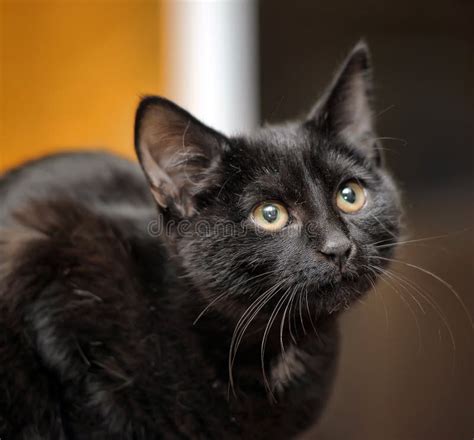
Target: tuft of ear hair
<point>176,151</point>
<point>345,109</point>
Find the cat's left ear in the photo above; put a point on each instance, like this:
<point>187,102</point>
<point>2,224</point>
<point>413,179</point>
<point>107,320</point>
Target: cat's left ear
<point>177,152</point>
<point>345,110</point>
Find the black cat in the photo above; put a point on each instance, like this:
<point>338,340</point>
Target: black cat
<point>206,308</point>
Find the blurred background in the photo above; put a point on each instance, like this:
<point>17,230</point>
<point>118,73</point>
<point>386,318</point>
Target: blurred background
<point>72,72</point>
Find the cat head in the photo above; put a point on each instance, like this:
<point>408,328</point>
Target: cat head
<point>300,208</point>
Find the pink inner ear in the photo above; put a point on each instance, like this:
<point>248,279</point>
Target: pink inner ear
<point>175,151</point>
<point>160,182</point>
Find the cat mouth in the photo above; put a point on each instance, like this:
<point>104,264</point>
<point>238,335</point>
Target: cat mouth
<point>340,285</point>
<point>333,279</point>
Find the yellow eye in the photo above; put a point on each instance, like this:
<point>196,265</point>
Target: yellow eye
<point>271,216</point>
<point>350,197</point>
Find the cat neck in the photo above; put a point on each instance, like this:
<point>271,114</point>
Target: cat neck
<point>212,333</point>
<point>262,353</point>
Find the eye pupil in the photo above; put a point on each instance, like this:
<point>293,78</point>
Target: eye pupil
<point>270,213</point>
<point>348,194</point>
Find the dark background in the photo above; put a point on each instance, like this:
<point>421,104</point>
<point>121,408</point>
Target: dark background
<point>407,367</point>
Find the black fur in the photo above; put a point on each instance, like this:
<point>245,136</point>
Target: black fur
<point>99,336</point>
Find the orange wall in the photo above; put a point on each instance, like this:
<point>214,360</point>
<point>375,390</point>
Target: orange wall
<point>72,71</point>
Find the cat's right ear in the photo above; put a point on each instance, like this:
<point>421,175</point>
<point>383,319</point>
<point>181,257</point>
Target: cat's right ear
<point>176,151</point>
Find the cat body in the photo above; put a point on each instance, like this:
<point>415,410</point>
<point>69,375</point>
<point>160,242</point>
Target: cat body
<point>100,305</point>
<point>189,311</point>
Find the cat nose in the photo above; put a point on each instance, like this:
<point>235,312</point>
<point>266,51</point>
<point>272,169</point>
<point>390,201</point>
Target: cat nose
<point>337,249</point>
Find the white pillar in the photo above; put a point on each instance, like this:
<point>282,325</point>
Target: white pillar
<point>213,61</point>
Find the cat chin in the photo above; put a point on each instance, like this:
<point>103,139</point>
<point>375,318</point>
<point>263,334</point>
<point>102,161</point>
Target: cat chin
<point>337,296</point>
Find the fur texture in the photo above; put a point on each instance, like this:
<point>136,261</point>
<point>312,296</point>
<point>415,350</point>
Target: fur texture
<point>129,314</point>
